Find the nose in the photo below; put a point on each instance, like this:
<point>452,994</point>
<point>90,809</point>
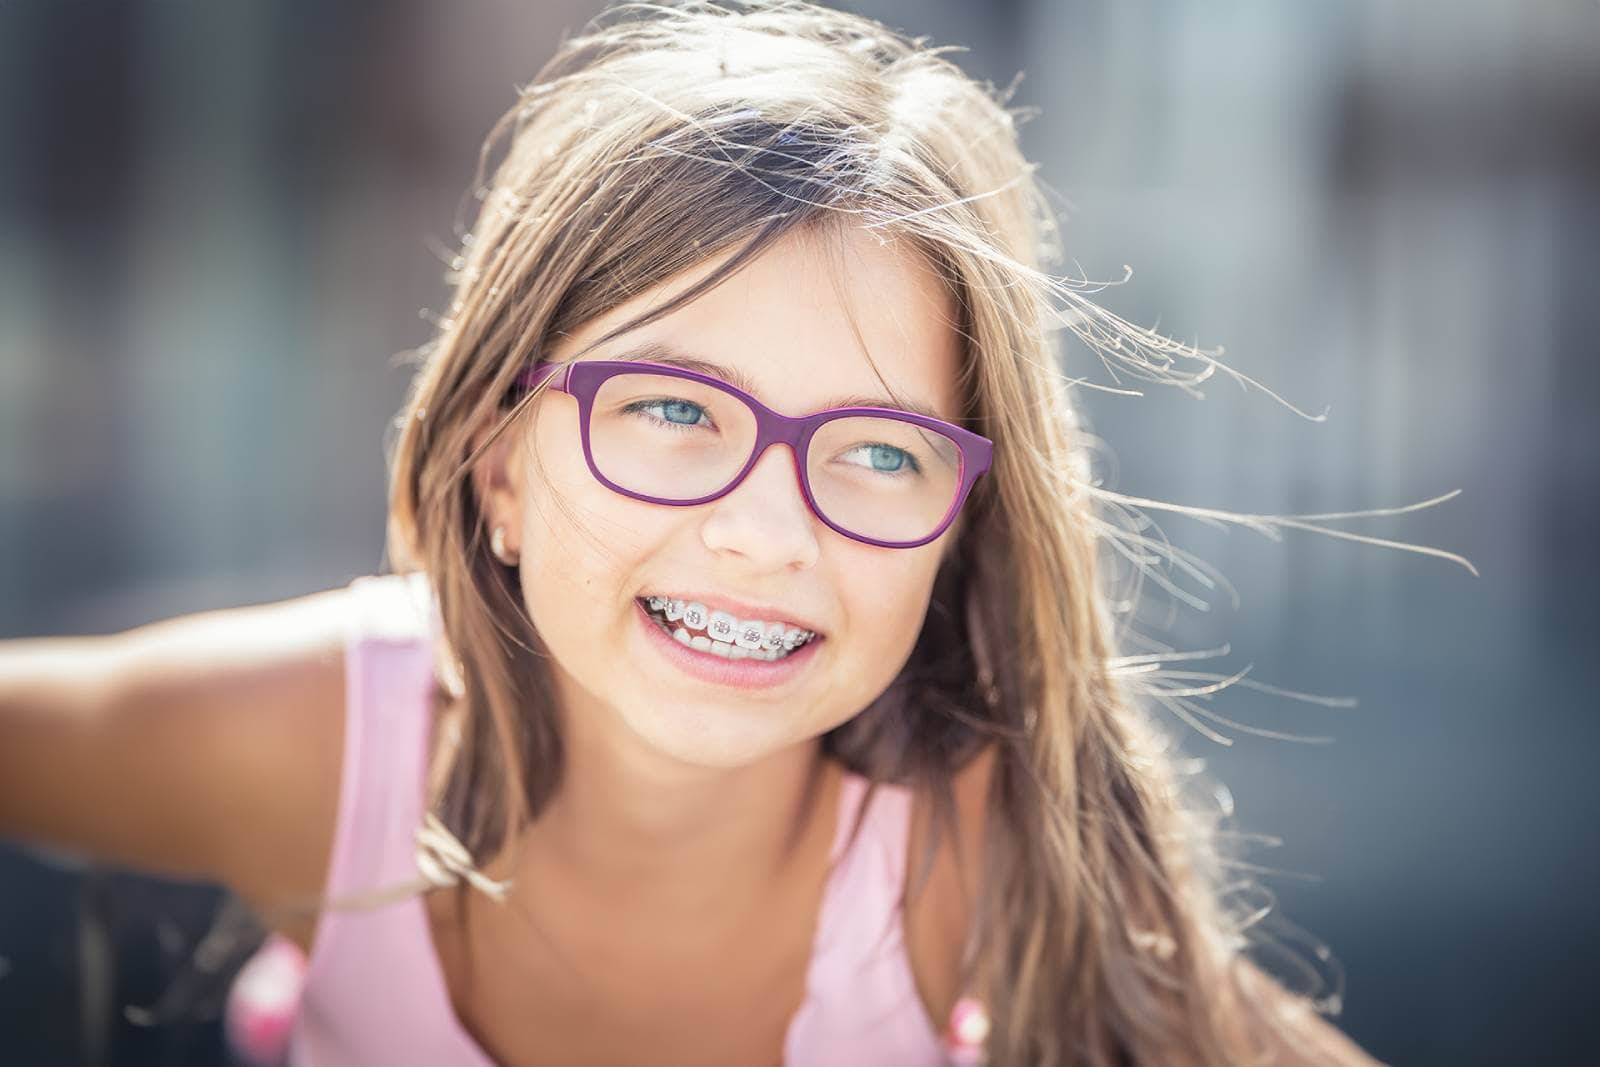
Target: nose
<point>765,518</point>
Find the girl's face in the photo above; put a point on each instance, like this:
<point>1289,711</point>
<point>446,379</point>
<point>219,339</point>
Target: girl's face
<point>793,323</point>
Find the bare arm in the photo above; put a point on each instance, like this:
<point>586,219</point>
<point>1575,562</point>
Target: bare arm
<point>206,746</point>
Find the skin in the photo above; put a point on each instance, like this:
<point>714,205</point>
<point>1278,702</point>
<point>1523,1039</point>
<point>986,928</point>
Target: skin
<point>668,923</point>
<point>695,790</point>
<point>663,912</point>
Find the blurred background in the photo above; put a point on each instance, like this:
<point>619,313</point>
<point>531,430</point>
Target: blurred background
<point>223,227</point>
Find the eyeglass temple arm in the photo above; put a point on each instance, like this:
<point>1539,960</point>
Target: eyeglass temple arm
<point>532,377</point>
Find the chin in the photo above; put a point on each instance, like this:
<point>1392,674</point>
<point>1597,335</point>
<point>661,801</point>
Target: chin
<point>711,737</point>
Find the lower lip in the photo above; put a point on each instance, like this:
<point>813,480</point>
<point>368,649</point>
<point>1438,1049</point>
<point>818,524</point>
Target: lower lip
<point>736,673</point>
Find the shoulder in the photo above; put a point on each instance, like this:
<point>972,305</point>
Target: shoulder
<point>939,918</point>
<point>221,745</point>
<point>283,870</point>
<point>939,915</point>
<point>276,678</point>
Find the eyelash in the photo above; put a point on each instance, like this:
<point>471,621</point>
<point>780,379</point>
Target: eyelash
<point>912,466</point>
<point>639,406</point>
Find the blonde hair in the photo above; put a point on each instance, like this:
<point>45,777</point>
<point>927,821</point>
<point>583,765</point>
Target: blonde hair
<point>664,134</point>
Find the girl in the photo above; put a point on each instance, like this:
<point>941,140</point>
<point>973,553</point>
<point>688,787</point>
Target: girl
<point>744,691</point>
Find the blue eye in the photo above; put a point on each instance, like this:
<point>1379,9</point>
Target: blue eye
<point>887,459</point>
<point>678,413</point>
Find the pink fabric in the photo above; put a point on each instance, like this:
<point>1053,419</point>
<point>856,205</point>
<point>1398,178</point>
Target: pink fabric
<point>374,991</point>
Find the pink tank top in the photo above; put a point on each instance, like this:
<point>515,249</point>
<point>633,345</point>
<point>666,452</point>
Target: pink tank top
<point>373,990</point>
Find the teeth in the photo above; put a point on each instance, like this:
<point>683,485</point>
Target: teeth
<point>724,649</point>
<point>722,626</point>
<point>772,640</point>
<point>750,633</point>
<point>754,638</point>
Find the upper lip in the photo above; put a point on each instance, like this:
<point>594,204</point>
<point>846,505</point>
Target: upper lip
<point>744,609</point>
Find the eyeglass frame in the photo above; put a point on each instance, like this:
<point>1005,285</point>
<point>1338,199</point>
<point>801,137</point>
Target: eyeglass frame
<point>582,379</point>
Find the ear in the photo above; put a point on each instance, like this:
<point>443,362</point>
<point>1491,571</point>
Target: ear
<point>497,480</point>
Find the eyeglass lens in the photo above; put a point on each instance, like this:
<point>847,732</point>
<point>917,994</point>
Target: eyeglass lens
<point>675,439</point>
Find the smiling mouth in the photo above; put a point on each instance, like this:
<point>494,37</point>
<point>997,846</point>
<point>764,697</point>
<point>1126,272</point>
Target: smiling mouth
<point>744,640</point>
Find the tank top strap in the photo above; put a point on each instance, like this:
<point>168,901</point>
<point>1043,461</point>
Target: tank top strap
<point>389,681</point>
<point>862,1003</point>
<point>373,990</point>
<point>868,865</point>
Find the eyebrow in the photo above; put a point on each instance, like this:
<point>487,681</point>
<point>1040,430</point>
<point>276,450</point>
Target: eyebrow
<point>671,356</point>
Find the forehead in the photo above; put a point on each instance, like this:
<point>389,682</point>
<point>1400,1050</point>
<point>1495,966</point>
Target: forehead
<point>796,324</point>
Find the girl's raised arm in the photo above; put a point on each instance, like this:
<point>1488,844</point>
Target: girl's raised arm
<point>206,746</point>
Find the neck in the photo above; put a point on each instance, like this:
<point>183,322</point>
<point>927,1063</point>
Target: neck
<point>628,824</point>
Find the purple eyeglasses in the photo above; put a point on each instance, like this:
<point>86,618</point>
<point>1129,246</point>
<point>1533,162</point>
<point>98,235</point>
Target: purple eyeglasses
<point>668,435</point>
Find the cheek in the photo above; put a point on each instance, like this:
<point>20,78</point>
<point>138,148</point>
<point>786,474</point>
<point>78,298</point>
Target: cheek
<point>554,463</point>
<point>886,605</point>
<point>586,528</point>
<point>583,550</point>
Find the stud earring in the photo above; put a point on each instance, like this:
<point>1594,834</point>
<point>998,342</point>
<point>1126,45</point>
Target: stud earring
<point>497,545</point>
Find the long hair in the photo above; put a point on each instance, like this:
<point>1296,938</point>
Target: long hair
<point>664,134</point>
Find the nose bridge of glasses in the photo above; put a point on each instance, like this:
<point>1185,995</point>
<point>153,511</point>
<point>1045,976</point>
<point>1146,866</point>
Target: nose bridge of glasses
<point>773,428</point>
